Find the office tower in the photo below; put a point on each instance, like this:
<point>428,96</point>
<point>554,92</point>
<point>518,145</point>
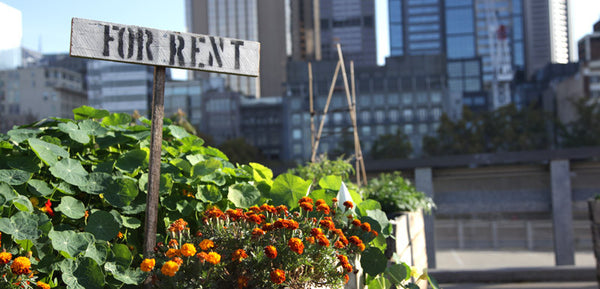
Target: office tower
<point>589,60</point>
<point>263,21</point>
<point>33,93</point>
<point>547,30</point>
<point>10,46</point>
<point>120,87</point>
<point>305,30</point>
<point>415,27</point>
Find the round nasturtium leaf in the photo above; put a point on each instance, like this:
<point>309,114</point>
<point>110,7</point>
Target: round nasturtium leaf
<point>373,261</point>
<point>97,183</point>
<point>71,242</point>
<point>102,225</point>
<point>49,153</point>
<point>71,207</point>
<point>243,195</point>
<point>121,192</point>
<point>21,226</point>
<point>89,274</point>
<point>74,132</point>
<point>71,171</point>
<point>14,177</point>
<point>131,160</point>
<point>39,187</point>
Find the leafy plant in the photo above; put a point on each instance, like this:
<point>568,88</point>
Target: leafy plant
<point>325,167</point>
<point>396,194</point>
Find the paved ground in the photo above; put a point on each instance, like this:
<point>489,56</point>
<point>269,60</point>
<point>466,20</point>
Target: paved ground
<point>482,259</point>
<point>557,285</point>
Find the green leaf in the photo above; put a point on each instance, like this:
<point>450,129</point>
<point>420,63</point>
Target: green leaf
<point>194,159</point>
<point>71,207</point>
<point>381,218</point>
<point>209,193</point>
<point>86,112</point>
<point>74,132</point>
<point>261,173</point>
<point>132,160</point>
<point>121,192</point>
<point>97,251</point>
<point>28,163</point>
<point>397,273</point>
<point>243,195</point>
<point>373,261</point>
<point>117,119</point>
<point>18,135</point>
<point>178,132</point>
<point>7,193</point>
<point>121,255</point>
<point>89,274</point>
<point>102,225</point>
<point>14,177</point>
<point>97,183</point>
<point>131,222</point>
<point>39,188</point>
<point>367,205</point>
<point>434,284</point>
<point>22,203</point>
<point>125,275</point>
<point>47,152</point>
<point>183,165</point>
<point>206,167</point>
<point>91,127</point>
<point>70,242</point>
<point>325,195</point>
<point>288,190</point>
<point>331,182</point>
<point>70,171</point>
<point>379,282</point>
<point>21,226</point>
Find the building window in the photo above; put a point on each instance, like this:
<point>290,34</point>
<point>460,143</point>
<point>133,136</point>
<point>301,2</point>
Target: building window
<point>379,116</point>
<point>408,115</point>
<point>408,129</point>
<point>296,134</point>
<point>423,128</point>
<point>393,115</point>
<point>407,98</point>
<point>365,116</point>
<point>392,99</point>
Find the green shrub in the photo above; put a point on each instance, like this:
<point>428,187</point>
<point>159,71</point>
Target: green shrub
<point>396,194</point>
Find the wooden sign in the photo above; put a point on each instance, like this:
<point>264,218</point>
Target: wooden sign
<point>134,44</point>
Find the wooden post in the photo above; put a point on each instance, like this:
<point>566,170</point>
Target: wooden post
<point>353,111</point>
<point>312,110</point>
<point>316,147</point>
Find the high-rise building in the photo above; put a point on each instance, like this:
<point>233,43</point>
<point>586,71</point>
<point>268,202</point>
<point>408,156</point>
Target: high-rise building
<point>589,60</point>
<point>10,46</point>
<point>263,21</point>
<point>415,27</point>
<point>120,87</point>
<point>317,25</point>
<point>547,30</point>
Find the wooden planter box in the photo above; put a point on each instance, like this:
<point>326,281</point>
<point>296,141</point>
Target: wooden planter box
<point>594,208</point>
<point>409,231</point>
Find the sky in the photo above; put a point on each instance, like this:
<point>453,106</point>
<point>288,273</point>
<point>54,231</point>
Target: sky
<point>47,23</point>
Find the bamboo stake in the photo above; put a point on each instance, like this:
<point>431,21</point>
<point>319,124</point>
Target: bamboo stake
<point>312,109</point>
<point>353,111</point>
<point>317,140</point>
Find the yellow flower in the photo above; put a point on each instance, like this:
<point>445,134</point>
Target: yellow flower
<point>213,258</point>
<point>147,265</point>
<point>169,268</point>
<point>206,244</point>
<point>42,285</point>
<point>20,266</point>
<point>172,253</point>
<point>188,250</point>
<point>5,257</point>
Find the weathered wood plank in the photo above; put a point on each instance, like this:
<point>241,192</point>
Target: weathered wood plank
<point>134,44</point>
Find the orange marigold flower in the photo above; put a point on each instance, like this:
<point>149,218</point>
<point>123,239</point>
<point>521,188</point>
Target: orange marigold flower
<point>292,225</point>
<point>366,227</point>
<point>172,253</point>
<point>338,232</point>
<point>343,259</point>
<point>239,255</point>
<point>271,252</point>
<point>277,276</point>
<point>213,212</point>
<point>334,200</point>
<point>255,219</point>
<point>355,240</point>
<point>374,233</point>
<point>177,260</point>
<point>173,243</point>
<point>346,279</point>
<point>213,258</point>
<point>344,240</point>
<point>306,206</point>
<point>207,244</point>
<point>255,209</point>
<point>323,208</point>
<point>178,226</point>
<point>268,227</point>
<point>20,266</point>
<point>242,282</point>
<point>202,256</point>
<point>257,232</point>
<point>348,205</point>
<point>281,209</point>
<point>339,244</point>
<point>296,245</point>
<point>320,202</point>
<point>347,267</point>
<point>327,224</point>
<point>280,223</point>
<point>356,222</point>
<point>188,250</point>
<point>147,265</point>
<point>235,215</point>
<point>361,247</point>
<point>322,240</point>
<point>169,268</point>
<point>42,285</point>
<point>5,257</point>
<point>310,240</point>
<point>305,200</point>
<point>316,232</point>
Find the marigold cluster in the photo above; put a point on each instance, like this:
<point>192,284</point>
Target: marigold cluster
<point>277,276</point>
<point>213,258</point>
<point>213,212</point>
<point>188,250</point>
<point>239,255</point>
<point>306,204</point>
<point>147,265</point>
<point>348,205</point>
<point>42,285</point>
<point>271,252</point>
<point>5,257</point>
<point>178,226</point>
<point>242,282</point>
<point>345,263</point>
<point>357,242</point>
<point>207,244</point>
<point>20,266</point>
<point>296,245</point>
<point>169,268</point>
